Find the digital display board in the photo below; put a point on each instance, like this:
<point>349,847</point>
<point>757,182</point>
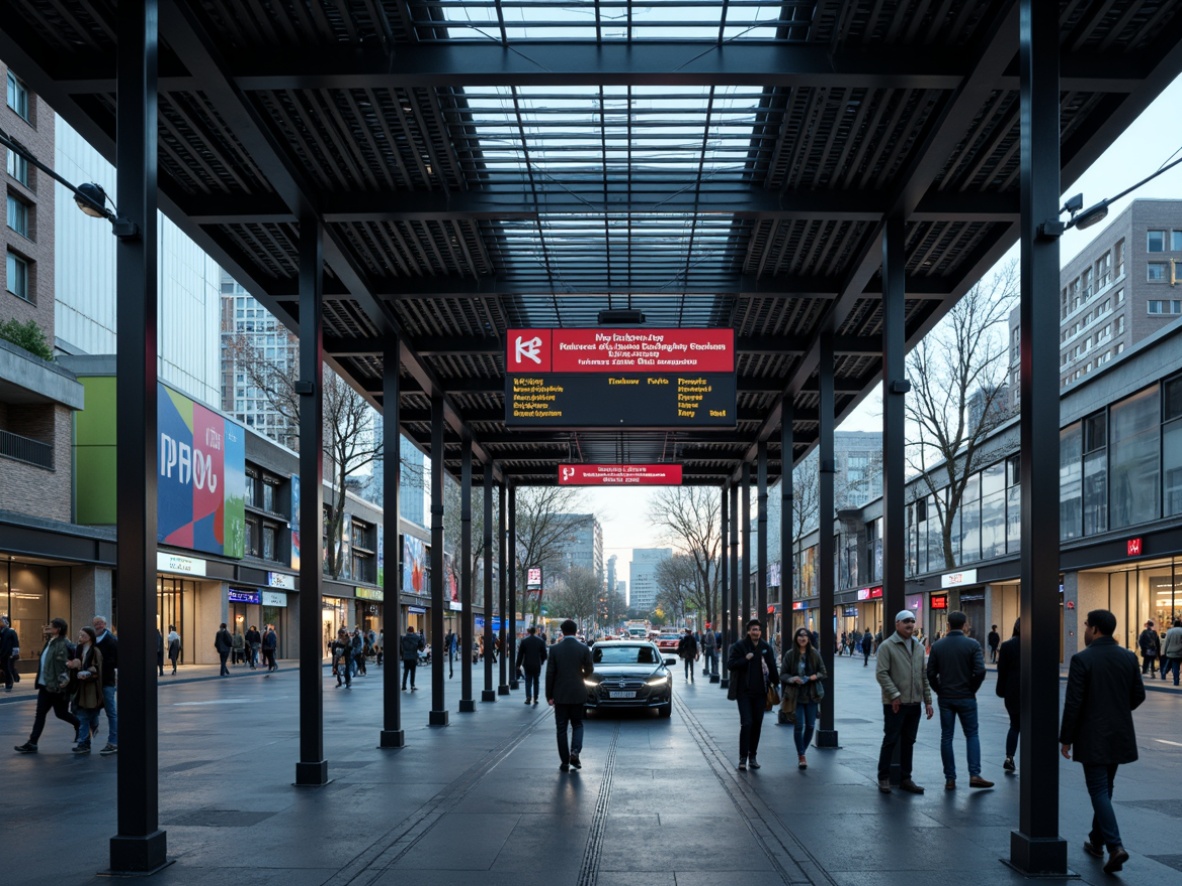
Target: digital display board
<point>608,378</point>
<point>619,475</point>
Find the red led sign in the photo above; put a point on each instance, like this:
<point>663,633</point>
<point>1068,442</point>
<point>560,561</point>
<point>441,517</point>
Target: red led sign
<point>1134,547</point>
<point>619,475</point>
<point>940,602</point>
<point>620,350</point>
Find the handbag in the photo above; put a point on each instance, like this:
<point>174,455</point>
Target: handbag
<point>773,697</point>
<point>818,690</point>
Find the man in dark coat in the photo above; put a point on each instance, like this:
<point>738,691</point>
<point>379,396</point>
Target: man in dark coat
<point>223,643</point>
<point>752,666</point>
<point>531,655</point>
<point>1150,644</point>
<point>408,648</point>
<point>956,670</point>
<point>567,667</point>
<point>994,640</point>
<point>687,651</point>
<point>1103,689</point>
<point>9,644</point>
<point>1009,689</point>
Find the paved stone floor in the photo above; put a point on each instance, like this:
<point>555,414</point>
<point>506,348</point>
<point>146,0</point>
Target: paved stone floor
<point>658,802</point>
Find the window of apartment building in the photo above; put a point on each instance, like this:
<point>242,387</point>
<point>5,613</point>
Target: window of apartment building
<point>1155,241</point>
<point>18,167</point>
<point>18,95</point>
<point>269,547</point>
<point>254,493</point>
<point>18,215</point>
<point>1175,241</point>
<point>1095,474</point>
<point>1157,271</point>
<point>1103,270</point>
<point>1171,446</point>
<point>1085,284</point>
<point>1120,296</point>
<point>1118,260</point>
<point>1120,324</point>
<point>269,490</point>
<point>1064,304</point>
<point>1166,306</point>
<point>251,542</point>
<point>1074,289</point>
<point>1134,441</point>
<point>17,276</point>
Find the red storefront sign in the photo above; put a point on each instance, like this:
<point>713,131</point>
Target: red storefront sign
<point>939,602</point>
<point>1134,547</point>
<point>668,351</point>
<point>870,593</point>
<point>619,475</point>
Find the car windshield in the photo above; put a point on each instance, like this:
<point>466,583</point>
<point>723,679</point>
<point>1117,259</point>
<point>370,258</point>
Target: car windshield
<point>622,654</point>
<point>668,637</point>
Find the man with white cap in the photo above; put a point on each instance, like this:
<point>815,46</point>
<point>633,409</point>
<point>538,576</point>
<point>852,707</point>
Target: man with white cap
<point>901,674</point>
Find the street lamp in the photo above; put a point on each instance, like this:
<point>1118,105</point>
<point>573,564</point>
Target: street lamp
<point>89,197</point>
<point>1095,213</point>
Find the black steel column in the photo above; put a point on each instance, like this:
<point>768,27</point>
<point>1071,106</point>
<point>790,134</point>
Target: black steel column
<point>1036,848</point>
<point>737,630</point>
<point>507,491</point>
<point>826,734</point>
<point>438,714</point>
<point>745,528</point>
<point>467,703</point>
<point>724,605</point>
<point>894,416</point>
<point>393,735</point>
<point>511,646</point>
<point>761,537</point>
<point>787,564</point>
<point>312,768</point>
<point>139,845</point>
<point>489,694</point>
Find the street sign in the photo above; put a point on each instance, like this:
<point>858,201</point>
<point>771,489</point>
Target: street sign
<point>619,475</point>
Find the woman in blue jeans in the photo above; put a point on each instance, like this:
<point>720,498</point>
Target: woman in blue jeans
<point>802,672</point>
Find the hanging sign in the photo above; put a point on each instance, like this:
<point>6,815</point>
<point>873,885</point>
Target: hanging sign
<point>619,475</point>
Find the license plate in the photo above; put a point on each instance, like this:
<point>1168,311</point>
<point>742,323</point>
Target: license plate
<point>621,695</point>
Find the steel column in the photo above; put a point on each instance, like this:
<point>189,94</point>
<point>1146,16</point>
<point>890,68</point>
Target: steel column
<point>787,569</point>
<point>140,845</point>
<point>736,631</point>
<point>894,416</point>
<point>467,704</point>
<point>1036,848</point>
<point>393,735</point>
<point>488,693</point>
<point>503,687</point>
<point>745,528</point>
<point>724,608</point>
<point>827,580</point>
<point>761,536</point>
<point>511,646</point>
<point>438,713</point>
<point>507,557</point>
<point>312,768</point>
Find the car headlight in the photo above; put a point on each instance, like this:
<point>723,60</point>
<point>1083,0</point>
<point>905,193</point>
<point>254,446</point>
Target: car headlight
<point>591,684</point>
<point>658,681</point>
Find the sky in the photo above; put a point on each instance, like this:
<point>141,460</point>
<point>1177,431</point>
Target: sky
<point>1149,143</point>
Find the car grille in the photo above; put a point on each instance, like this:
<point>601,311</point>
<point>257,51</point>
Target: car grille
<point>614,684</point>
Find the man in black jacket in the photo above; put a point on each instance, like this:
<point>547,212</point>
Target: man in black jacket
<point>531,655</point>
<point>1009,689</point>
<point>223,643</point>
<point>956,669</point>
<point>1150,644</point>
<point>569,665</point>
<point>9,644</point>
<point>409,646</point>
<point>687,651</point>
<point>752,666</point>
<point>1103,690</point>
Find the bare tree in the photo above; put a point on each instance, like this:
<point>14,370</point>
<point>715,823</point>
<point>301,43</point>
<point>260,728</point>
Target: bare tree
<point>679,588</point>
<point>541,531</point>
<point>578,597</point>
<point>689,518</point>
<point>349,441</point>
<point>958,397</point>
<point>806,500</point>
<point>453,526</point>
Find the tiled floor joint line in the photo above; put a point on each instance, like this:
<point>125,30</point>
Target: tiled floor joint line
<point>589,870</point>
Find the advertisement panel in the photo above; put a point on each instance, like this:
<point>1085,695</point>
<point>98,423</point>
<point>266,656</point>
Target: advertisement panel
<point>414,566</point>
<point>619,475</point>
<point>201,497</point>
<point>620,350</point>
<point>295,522</point>
<point>533,577</point>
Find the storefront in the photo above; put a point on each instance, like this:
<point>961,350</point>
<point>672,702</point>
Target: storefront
<point>1136,593</point>
<point>369,609</point>
<point>869,615</point>
<point>31,594</point>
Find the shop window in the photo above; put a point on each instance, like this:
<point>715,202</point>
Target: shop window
<point>1070,499</point>
<point>1134,441</point>
<point>18,95</point>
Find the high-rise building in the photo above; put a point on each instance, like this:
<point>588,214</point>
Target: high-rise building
<point>1120,289</point>
<point>642,572</point>
<point>581,544</point>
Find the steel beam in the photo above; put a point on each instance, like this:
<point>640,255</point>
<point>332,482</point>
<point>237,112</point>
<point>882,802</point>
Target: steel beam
<point>745,528</point>
<point>489,693</point>
<point>510,648</point>
<point>787,522</point>
<point>393,735</point>
<point>438,714</point>
<point>139,846</point>
<point>761,535</point>
<point>894,418</point>
<point>502,585</point>
<point>826,573</point>
<point>724,615</point>
<point>467,702</point>
<point>736,631</point>
<point>1036,847</point>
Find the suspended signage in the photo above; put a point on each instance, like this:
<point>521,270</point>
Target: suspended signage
<point>939,601</point>
<point>957,579</point>
<point>533,577</point>
<point>620,377</point>
<point>237,595</point>
<point>281,580</point>
<point>479,623</point>
<point>800,604</point>
<point>619,475</point>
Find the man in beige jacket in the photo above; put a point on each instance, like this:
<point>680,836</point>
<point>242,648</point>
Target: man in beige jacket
<point>903,677</point>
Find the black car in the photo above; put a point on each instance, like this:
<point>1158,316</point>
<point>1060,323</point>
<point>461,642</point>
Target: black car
<point>630,674</point>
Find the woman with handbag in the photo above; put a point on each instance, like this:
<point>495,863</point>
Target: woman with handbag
<point>801,673</point>
<point>752,666</point>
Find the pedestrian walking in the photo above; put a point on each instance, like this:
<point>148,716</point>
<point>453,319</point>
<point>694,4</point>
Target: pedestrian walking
<point>801,672</point>
<point>52,683</point>
<point>224,644</point>
<point>159,651</point>
<point>237,647</point>
<point>1171,651</point>
<point>449,643</point>
<point>956,670</point>
<point>86,687</point>
<point>174,647</point>
<point>531,655</point>
<point>10,651</point>
<point>904,681</point>
<point>357,652</point>
<point>752,666</point>
<point>108,645</point>
<point>867,646</point>
<point>254,644</point>
<point>270,648</point>
<point>709,652</point>
<point>342,650</point>
<point>380,646</point>
<point>1150,644</point>
<point>568,665</point>
<point>687,651</point>
<point>1009,689</point>
<point>994,641</point>
<point>408,646</point>
<point>1103,690</point>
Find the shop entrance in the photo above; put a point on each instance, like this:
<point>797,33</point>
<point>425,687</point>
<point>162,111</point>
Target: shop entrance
<point>174,607</point>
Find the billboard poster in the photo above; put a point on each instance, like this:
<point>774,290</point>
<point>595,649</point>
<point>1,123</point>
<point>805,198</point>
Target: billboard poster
<point>451,585</point>
<point>201,498</point>
<point>295,522</point>
<point>414,566</point>
<point>381,555</point>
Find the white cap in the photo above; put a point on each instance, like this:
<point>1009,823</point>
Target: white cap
<point>905,614</point>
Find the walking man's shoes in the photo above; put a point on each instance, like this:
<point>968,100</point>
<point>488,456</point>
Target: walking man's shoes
<point>1009,766</point>
<point>109,749</point>
<point>950,784</point>
<point>910,787</point>
<point>27,748</point>
<point>565,767</point>
<point>527,699</point>
<point>82,749</point>
<point>977,781</point>
<point>1116,860</point>
<point>575,762</point>
<point>752,762</point>
<point>1093,849</point>
<point>742,763</point>
<point>884,785</point>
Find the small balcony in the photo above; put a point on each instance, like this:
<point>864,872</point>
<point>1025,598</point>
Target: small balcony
<point>27,450</point>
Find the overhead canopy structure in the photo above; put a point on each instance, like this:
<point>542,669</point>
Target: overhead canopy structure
<point>481,166</point>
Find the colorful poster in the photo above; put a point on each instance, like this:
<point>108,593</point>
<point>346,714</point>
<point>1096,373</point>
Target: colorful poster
<point>202,477</point>
<point>414,565</point>
<point>295,522</point>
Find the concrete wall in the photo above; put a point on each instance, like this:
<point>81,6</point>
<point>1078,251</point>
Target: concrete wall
<point>1087,590</point>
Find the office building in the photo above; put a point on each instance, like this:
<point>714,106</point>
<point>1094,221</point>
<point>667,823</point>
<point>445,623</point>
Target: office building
<point>642,571</point>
